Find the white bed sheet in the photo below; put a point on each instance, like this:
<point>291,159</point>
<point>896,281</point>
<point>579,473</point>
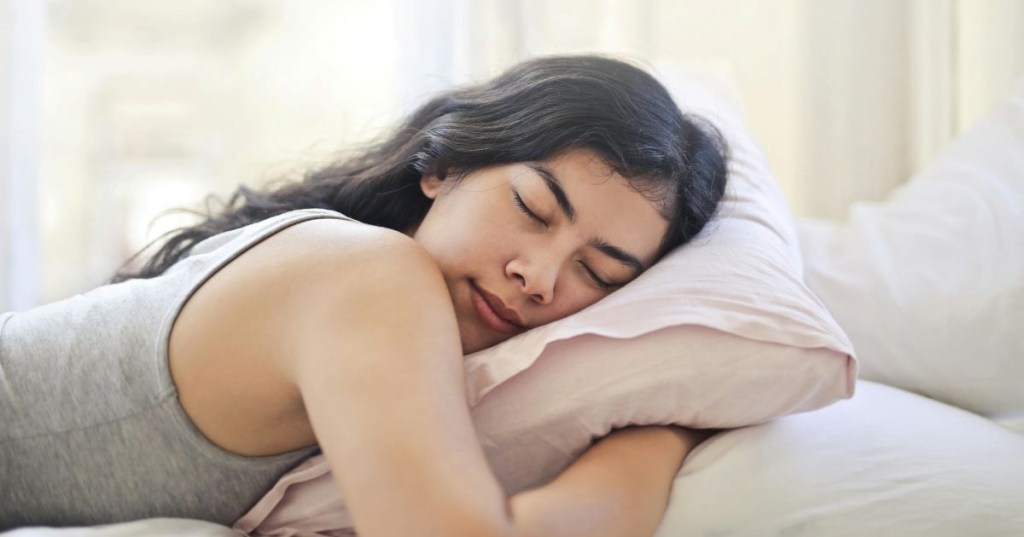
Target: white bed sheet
<point>142,528</point>
<point>887,463</point>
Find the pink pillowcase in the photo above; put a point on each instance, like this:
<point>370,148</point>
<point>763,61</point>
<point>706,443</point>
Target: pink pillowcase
<point>697,336</point>
<point>722,333</point>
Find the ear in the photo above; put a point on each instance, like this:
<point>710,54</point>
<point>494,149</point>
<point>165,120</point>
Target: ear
<point>430,185</point>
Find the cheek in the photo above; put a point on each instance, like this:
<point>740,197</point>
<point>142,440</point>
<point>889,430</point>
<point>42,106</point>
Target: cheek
<point>487,227</point>
<point>571,296</point>
<point>463,235</point>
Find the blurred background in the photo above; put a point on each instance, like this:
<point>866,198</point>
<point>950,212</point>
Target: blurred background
<point>113,111</point>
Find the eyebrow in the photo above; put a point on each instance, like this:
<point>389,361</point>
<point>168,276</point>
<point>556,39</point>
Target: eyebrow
<point>555,186</point>
<point>614,252</point>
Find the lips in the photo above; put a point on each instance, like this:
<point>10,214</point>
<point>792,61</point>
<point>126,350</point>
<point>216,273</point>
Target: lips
<point>491,309</point>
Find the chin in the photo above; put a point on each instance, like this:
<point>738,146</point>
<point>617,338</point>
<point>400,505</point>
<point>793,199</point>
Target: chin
<point>471,344</point>
<point>470,347</point>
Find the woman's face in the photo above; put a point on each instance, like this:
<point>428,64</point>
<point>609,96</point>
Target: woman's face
<point>501,264</point>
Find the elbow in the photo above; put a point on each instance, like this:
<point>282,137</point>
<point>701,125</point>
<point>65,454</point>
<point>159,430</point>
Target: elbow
<point>506,526</point>
<point>461,522</point>
<point>490,529</point>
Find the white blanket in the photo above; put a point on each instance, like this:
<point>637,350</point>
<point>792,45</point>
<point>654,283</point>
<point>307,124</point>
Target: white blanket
<point>143,528</point>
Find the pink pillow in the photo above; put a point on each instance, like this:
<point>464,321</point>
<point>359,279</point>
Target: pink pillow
<point>721,333</point>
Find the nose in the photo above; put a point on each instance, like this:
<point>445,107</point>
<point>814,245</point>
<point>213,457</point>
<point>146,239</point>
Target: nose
<point>536,278</point>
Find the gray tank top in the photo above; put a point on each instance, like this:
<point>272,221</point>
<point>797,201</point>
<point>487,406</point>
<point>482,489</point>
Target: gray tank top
<point>91,430</point>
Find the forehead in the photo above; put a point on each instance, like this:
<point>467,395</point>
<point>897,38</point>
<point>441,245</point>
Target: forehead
<point>604,205</point>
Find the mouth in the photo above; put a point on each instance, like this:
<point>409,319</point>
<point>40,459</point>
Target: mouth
<point>493,313</point>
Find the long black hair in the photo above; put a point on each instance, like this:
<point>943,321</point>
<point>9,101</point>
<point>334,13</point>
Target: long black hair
<point>531,112</point>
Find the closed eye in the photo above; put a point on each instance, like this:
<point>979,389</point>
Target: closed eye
<point>533,216</point>
<point>601,283</point>
<point>526,210</point>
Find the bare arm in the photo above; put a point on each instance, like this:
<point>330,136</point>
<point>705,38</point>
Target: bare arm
<point>374,351</point>
<point>369,339</point>
<point>618,488</point>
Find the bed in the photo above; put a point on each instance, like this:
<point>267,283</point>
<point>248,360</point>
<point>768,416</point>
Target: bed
<point>929,286</point>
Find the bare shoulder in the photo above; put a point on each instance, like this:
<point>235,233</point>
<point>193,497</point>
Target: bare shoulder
<point>323,242</point>
<point>231,343</point>
<point>310,261</point>
<point>302,261</point>
<point>348,272</point>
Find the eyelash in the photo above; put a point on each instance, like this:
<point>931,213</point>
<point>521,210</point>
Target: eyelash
<point>602,284</point>
<point>533,216</point>
<point>526,210</point>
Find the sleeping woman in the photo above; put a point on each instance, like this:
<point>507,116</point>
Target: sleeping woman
<point>332,313</point>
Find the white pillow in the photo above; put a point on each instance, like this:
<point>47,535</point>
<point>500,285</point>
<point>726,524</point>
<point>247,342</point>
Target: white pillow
<point>887,463</point>
<point>929,284</point>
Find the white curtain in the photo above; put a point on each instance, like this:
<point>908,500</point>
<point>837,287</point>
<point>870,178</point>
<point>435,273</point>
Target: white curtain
<point>964,55</point>
<point>22,31</point>
<point>114,110</point>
